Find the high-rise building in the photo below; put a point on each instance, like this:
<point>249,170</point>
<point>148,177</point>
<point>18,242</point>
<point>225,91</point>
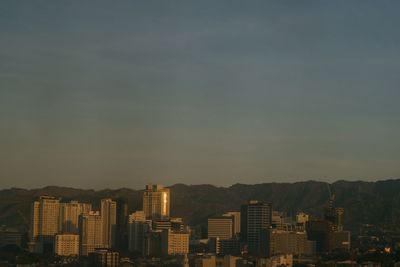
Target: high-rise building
<point>69,216</point>
<point>236,220</point>
<point>156,202</point>
<point>109,217</point>
<point>174,243</point>
<point>255,216</point>
<point>320,232</point>
<point>66,245</point>
<point>122,224</point>
<point>138,226</point>
<point>220,227</point>
<point>45,216</point>
<point>153,243</point>
<point>90,232</point>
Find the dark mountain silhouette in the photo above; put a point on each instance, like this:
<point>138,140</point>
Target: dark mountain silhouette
<point>364,202</point>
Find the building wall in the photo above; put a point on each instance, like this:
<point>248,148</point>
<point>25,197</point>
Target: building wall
<point>66,245</point>
<point>91,227</point>
<point>174,243</point>
<point>69,216</point>
<point>156,202</point>
<point>221,227</point>
<point>109,216</point>
<point>255,216</point>
<point>236,220</point>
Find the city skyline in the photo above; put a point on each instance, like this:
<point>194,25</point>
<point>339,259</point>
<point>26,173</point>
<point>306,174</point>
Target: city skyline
<point>111,95</point>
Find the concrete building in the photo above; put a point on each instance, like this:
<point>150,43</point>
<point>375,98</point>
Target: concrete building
<point>277,242</point>
<point>255,216</point>
<point>153,244</point>
<point>69,215</point>
<point>220,227</point>
<point>109,217</point>
<point>90,232</point>
<point>138,226</point>
<point>104,258</point>
<point>174,243</point>
<point>236,220</point>
<point>66,245</point>
<point>44,221</point>
<point>156,202</point>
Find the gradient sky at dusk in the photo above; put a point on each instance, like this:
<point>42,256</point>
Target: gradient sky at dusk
<point>117,94</point>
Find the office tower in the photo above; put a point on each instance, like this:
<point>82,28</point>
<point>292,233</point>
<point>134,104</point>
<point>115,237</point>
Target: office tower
<point>156,202</point>
<point>122,224</point>
<point>153,243</point>
<point>320,232</point>
<point>174,243</point>
<point>138,226</point>
<point>90,232</point>
<point>44,225</point>
<point>104,258</point>
<point>69,216</point>
<point>109,217</point>
<point>276,242</point>
<point>236,220</point>
<point>66,245</point>
<point>255,216</point>
<point>220,227</point>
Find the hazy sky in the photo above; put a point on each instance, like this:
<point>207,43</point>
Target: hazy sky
<point>121,93</point>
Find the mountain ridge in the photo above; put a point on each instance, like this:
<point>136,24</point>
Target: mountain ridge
<point>364,202</point>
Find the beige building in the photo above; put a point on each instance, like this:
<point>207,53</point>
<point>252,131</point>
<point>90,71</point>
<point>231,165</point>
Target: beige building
<point>156,201</point>
<point>221,227</point>
<point>109,217</point>
<point>69,216</point>
<point>276,242</point>
<point>174,243</point>
<point>91,227</point>
<point>236,220</point>
<point>66,245</point>
<point>44,216</point>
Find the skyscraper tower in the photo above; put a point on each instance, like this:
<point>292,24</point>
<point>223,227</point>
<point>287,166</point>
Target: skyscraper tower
<point>109,219</point>
<point>45,216</point>
<point>156,202</point>
<point>69,215</point>
<point>90,232</point>
<point>255,216</point>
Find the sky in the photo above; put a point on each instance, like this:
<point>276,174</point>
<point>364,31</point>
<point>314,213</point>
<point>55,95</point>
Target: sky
<point>110,94</point>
